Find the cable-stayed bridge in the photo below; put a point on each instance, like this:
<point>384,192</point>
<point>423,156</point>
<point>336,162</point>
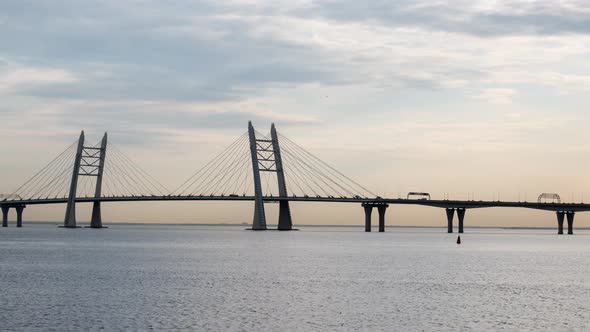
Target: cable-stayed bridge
<point>256,167</point>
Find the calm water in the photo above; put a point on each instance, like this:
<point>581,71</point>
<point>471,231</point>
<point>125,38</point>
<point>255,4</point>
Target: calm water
<point>225,278</point>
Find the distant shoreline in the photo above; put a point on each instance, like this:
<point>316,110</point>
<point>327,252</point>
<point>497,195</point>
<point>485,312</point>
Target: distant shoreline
<point>298,225</point>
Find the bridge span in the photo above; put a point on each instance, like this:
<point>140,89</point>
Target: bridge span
<point>451,206</point>
<point>236,174</point>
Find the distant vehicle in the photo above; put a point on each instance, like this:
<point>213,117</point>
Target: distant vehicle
<point>418,195</point>
<point>549,198</point>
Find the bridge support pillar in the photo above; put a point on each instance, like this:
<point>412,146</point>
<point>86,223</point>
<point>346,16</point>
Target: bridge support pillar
<point>285,222</point>
<point>570,222</point>
<point>560,218</point>
<point>381,208</point>
<point>461,217</point>
<point>96,219</point>
<point>450,215</point>
<point>368,211</point>
<point>19,215</point>
<point>5,210</point>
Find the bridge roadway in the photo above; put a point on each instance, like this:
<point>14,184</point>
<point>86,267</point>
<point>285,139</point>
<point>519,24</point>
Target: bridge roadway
<point>451,206</point>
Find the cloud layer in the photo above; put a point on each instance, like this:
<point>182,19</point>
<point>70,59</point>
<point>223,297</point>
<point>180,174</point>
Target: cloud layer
<point>408,80</point>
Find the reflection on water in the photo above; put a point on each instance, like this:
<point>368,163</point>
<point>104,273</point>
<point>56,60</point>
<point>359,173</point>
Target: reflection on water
<point>225,278</point>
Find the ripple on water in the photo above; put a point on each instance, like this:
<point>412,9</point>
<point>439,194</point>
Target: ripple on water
<point>224,278</point>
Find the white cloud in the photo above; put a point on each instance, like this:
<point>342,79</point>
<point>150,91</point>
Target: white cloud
<point>16,76</point>
<point>497,96</point>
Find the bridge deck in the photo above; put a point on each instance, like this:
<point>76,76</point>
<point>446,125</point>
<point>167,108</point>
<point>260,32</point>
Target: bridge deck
<point>467,204</point>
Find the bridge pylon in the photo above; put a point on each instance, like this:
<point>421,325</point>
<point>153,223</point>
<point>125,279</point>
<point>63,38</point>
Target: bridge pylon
<point>96,221</point>
<point>259,222</point>
<point>89,161</point>
<point>70,218</point>
<point>266,157</point>
<point>285,221</point>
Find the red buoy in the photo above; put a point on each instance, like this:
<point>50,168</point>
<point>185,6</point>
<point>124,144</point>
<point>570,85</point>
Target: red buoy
<point>459,239</point>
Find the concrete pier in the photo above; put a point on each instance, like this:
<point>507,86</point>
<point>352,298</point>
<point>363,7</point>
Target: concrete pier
<point>368,211</point>
<point>381,208</point>
<point>19,215</point>
<point>96,218</point>
<point>461,217</point>
<point>570,222</point>
<point>5,210</point>
<point>560,218</point>
<point>450,215</point>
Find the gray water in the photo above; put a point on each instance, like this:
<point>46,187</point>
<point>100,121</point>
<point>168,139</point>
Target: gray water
<point>223,278</point>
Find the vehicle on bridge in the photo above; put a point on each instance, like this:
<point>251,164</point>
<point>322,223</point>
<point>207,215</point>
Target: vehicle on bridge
<point>549,198</point>
<point>418,195</point>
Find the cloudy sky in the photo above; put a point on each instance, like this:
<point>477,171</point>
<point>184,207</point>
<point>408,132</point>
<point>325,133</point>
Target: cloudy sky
<point>451,97</point>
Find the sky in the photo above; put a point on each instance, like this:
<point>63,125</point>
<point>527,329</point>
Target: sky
<point>481,99</point>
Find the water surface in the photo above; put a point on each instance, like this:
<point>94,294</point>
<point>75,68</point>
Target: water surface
<point>136,277</point>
